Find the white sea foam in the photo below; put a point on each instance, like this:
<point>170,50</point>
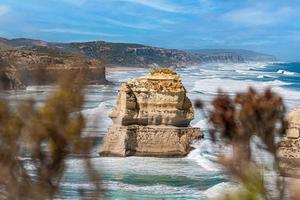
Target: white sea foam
<point>202,124</point>
<point>153,189</point>
<point>260,155</point>
<point>97,117</point>
<point>285,72</point>
<point>42,88</point>
<point>76,185</point>
<point>157,189</point>
<point>247,65</point>
<point>244,72</point>
<point>263,76</point>
<point>221,190</point>
<point>211,86</point>
<point>204,155</point>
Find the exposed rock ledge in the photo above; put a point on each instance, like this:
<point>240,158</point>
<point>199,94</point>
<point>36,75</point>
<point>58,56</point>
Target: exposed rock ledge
<point>151,118</point>
<point>289,150</point>
<point>20,68</point>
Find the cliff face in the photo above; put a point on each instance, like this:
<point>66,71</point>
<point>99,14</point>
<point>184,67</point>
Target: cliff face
<point>289,150</point>
<point>19,68</point>
<point>221,58</point>
<point>137,55</point>
<point>230,56</point>
<point>151,118</point>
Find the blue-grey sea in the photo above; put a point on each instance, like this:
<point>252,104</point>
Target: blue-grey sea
<point>196,176</point>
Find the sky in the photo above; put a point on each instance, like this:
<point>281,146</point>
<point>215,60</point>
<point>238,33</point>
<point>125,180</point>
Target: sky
<point>268,26</point>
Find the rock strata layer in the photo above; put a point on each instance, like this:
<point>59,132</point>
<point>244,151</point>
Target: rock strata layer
<point>20,68</point>
<point>289,150</point>
<point>151,118</point>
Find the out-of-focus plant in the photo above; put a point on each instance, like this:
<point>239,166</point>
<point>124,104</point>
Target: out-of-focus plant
<point>46,135</point>
<point>237,119</point>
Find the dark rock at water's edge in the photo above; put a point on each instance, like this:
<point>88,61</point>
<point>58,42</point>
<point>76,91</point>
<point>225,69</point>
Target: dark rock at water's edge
<point>151,118</point>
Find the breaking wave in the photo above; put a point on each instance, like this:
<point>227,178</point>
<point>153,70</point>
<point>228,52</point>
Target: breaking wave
<point>221,190</point>
<point>97,118</point>
<point>204,155</point>
<point>211,86</point>
<point>285,72</point>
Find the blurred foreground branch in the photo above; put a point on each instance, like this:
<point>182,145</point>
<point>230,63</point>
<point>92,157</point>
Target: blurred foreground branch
<point>237,120</point>
<point>45,135</point>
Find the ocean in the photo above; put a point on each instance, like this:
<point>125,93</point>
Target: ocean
<point>196,176</point>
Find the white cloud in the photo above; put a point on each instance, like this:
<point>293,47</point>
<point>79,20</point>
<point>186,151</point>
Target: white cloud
<point>144,26</point>
<point>153,18</point>
<point>258,17</point>
<point>4,10</point>
<point>162,5</point>
<point>74,31</point>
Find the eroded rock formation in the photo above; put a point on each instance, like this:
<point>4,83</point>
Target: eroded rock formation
<point>151,118</point>
<point>289,150</point>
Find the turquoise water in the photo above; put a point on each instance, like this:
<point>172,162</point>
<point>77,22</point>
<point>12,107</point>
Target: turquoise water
<point>158,179</point>
<point>197,176</point>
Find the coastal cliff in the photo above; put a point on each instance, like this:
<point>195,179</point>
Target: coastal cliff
<point>230,56</point>
<point>151,118</point>
<point>20,68</point>
<point>139,55</point>
<point>289,150</point>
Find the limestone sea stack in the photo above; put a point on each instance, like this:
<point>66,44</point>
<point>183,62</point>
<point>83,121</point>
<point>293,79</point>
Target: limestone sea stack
<point>289,150</point>
<point>151,118</point>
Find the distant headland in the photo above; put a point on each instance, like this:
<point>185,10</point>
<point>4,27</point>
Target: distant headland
<point>138,55</point>
<point>21,59</point>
